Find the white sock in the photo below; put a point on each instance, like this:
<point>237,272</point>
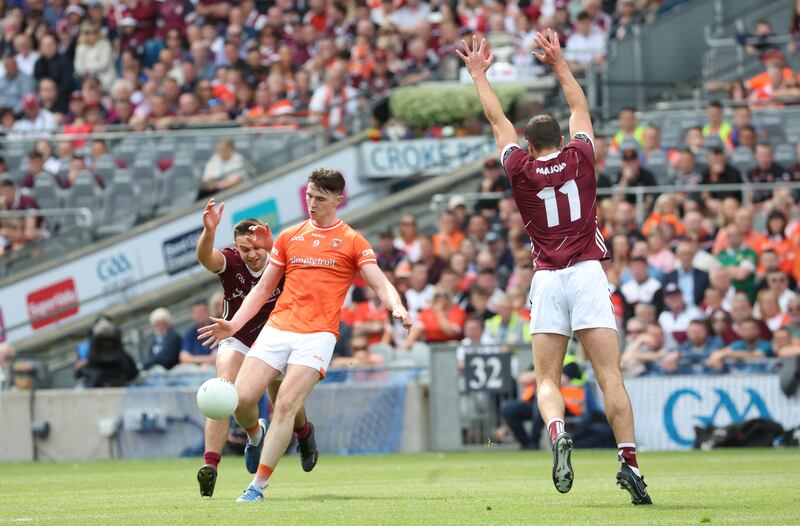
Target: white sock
<point>255,438</point>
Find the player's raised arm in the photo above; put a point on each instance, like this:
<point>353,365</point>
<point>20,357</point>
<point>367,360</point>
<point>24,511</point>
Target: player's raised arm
<point>376,279</point>
<point>208,256</point>
<point>477,59</point>
<point>580,121</point>
<point>219,330</point>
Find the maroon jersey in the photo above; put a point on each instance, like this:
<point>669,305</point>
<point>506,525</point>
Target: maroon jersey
<point>237,280</point>
<point>556,197</point>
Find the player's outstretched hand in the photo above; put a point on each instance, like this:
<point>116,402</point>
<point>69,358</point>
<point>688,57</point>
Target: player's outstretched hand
<point>477,58</point>
<point>547,40</point>
<point>212,217</point>
<point>212,335</point>
<point>261,237</point>
<point>400,313</point>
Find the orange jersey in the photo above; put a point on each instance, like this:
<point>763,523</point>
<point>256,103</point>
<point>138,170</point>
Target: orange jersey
<point>319,265</point>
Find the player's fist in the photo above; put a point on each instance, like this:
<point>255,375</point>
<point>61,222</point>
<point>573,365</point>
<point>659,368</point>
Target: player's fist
<point>212,335</point>
<point>400,313</point>
<point>212,217</point>
<point>261,237</point>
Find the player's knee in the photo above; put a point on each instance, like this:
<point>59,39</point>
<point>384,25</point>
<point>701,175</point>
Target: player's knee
<point>285,407</point>
<point>248,397</point>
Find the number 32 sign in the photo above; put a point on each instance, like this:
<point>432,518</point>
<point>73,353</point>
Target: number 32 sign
<point>488,372</point>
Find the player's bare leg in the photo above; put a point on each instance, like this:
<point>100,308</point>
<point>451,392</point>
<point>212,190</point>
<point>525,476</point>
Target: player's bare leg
<point>303,431</point>
<point>295,387</point>
<point>251,383</point>
<point>602,347</point>
<point>548,358</point>
<point>227,364</point>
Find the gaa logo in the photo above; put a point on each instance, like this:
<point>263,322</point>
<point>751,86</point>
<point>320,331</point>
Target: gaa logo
<point>336,243</point>
<point>113,267</point>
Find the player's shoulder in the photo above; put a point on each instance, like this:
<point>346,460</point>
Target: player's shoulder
<point>298,229</point>
<point>233,260</point>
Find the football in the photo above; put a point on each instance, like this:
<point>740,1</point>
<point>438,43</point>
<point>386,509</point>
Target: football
<point>217,398</point>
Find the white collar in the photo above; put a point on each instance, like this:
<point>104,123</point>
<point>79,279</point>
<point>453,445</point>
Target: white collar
<point>549,157</point>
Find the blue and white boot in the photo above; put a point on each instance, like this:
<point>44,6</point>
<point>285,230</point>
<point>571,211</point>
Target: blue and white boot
<point>252,452</point>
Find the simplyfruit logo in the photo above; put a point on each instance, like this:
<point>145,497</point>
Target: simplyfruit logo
<point>52,303</point>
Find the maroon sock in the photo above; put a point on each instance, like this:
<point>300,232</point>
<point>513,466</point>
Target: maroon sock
<point>303,431</point>
<point>211,458</point>
<point>627,455</point>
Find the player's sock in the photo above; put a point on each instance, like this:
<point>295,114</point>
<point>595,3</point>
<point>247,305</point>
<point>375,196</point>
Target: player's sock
<point>627,455</point>
<point>254,435</point>
<point>212,459</point>
<point>555,426</point>
<point>261,480</point>
<point>303,431</point>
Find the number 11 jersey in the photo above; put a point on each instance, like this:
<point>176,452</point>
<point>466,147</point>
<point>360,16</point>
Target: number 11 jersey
<point>556,196</point>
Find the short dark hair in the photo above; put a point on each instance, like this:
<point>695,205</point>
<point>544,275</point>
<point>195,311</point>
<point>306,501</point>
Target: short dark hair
<point>7,183</point>
<point>543,131</point>
<point>327,180</point>
<point>639,259</point>
<point>750,320</point>
<point>627,108</point>
<point>33,154</point>
<point>242,228</point>
<point>715,104</point>
<point>204,303</point>
<point>583,16</point>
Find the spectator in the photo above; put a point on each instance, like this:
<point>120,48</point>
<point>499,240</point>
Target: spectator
<point>633,175</point>
<point>644,352</point>
<point>642,288</point>
<point>335,102</point>
<point>14,85</point>
<point>692,354</point>
<point>626,18</point>
<point>470,344</point>
<point>94,56</point>
<point>778,282</point>
<point>192,350</point>
<point>37,121</point>
<point>225,169</point>
<point>686,173</point>
<point>766,171</point>
<point>420,293</point>
<point>56,67</point>
<point>587,45</point>
<point>422,65</point>
<point>478,305</point>
<point>408,238</point>
<point>477,232</point>
<point>26,56</point>
<point>165,347</point>
<point>35,169</point>
<point>108,364</point>
<point>691,281</point>
<point>630,131</point>
<point>388,256</point>
<point>769,310</point>
<point>720,172</point>
<point>783,346</point>
<point>782,246</point>
<point>448,238</point>
<point>759,43</point>
<point>435,264</point>
<point>33,227</point>
<point>743,219</point>
<point>651,143</point>
<point>441,322</point>
<point>741,309</point>
<point>750,348</point>
<point>600,19</point>
<point>506,329</point>
<point>411,16</point>
<point>739,261</point>
<point>677,315</point>
<point>742,119</point>
<point>717,127</point>
<point>660,256</point>
<point>777,86</point>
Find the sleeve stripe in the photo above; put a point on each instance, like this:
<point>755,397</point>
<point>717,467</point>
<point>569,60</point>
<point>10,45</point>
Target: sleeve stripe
<point>276,262</point>
<point>364,262</point>
<point>505,150</point>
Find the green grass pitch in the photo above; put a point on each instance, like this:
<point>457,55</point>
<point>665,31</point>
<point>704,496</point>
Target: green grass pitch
<point>752,487</point>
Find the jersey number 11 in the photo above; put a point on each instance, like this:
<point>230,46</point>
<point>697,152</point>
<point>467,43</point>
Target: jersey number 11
<point>548,195</point>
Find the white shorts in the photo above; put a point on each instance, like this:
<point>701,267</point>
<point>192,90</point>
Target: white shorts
<point>279,348</point>
<point>232,344</point>
<point>571,299</point>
